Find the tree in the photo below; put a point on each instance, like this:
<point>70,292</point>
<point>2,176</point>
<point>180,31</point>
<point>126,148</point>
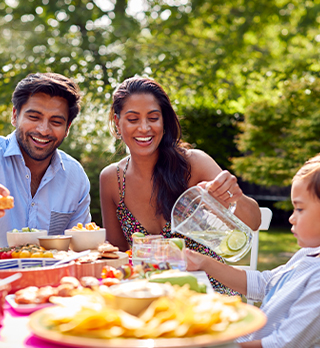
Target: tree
<point>214,58</point>
<point>280,134</point>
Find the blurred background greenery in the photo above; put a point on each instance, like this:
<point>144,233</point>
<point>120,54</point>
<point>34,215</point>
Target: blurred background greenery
<point>243,75</point>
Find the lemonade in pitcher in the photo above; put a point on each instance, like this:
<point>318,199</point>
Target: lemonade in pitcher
<point>197,215</point>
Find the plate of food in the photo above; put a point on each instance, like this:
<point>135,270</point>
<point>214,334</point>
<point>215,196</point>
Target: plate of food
<point>183,319</point>
<point>25,308</point>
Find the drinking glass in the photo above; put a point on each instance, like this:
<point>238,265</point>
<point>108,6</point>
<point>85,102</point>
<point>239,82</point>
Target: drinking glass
<point>197,215</point>
<point>141,248</point>
<point>170,251</point>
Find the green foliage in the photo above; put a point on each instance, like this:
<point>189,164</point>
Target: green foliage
<point>280,134</point>
<point>212,131</point>
<point>221,62</point>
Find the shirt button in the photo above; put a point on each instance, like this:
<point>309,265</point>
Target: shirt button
<point>32,204</point>
<point>27,176</point>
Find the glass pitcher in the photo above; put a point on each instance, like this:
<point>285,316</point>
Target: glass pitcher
<point>197,215</point>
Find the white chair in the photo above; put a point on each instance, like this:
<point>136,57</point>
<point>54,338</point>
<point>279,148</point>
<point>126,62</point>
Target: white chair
<point>266,216</point>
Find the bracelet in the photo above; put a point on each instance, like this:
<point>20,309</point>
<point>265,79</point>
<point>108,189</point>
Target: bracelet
<point>232,207</point>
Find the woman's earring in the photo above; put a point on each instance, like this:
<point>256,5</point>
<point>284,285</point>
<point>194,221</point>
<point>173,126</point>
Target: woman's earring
<point>118,134</point>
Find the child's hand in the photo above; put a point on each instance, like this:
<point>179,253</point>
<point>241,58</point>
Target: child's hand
<point>194,260</point>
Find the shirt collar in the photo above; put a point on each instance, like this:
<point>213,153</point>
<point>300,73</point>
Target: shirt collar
<point>13,149</point>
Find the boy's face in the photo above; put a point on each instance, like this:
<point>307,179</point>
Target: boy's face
<point>305,218</point>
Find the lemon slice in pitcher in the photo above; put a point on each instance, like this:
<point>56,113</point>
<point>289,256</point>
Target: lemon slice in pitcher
<point>223,249</point>
<point>237,240</point>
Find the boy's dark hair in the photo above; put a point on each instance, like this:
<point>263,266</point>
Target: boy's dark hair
<point>311,172</point>
<point>55,85</point>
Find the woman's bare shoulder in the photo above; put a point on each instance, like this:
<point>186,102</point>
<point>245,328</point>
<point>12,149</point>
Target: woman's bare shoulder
<point>109,171</point>
<point>196,155</point>
<point>203,167</point>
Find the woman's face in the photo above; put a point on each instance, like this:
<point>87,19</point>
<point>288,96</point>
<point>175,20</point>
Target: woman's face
<point>141,124</point>
<point>305,218</point>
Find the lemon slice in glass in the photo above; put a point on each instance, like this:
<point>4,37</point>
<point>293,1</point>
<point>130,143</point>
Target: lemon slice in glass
<point>236,241</point>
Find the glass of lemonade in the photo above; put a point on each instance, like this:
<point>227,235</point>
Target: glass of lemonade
<point>171,251</point>
<point>141,248</point>
<point>197,215</point>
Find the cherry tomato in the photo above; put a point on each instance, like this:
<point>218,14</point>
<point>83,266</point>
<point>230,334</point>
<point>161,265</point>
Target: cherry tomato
<point>15,254</point>
<point>48,254</point>
<point>24,254</point>
<point>3,255</point>
<point>37,254</point>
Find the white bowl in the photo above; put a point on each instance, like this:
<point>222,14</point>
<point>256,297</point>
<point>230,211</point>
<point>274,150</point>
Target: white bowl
<point>21,238</point>
<point>84,240</point>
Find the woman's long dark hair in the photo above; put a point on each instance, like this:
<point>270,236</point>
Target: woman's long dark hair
<point>172,170</point>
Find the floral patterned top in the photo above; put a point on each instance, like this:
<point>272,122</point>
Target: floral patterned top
<point>129,224</point>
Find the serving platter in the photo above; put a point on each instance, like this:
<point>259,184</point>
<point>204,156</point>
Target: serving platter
<point>25,308</point>
<point>253,321</point>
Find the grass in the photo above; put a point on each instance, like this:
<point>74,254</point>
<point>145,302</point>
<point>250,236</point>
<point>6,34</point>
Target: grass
<point>276,247</point>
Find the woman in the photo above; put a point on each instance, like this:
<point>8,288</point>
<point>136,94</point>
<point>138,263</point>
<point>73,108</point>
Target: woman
<point>138,193</point>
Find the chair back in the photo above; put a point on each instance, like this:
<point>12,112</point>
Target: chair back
<point>266,216</point>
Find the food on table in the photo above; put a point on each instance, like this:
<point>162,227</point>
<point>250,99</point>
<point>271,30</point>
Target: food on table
<point>178,242</point>
<point>108,251</point>
<point>175,277</point>
<point>110,281</point>
<point>122,272</point>
<point>138,234</point>
<point>37,295</point>
<point>25,251</point>
<point>128,271</point>
<point>89,282</point>
<point>182,313</point>
<point>91,226</point>
<point>6,202</point>
<point>25,229</point>
<point>70,280</point>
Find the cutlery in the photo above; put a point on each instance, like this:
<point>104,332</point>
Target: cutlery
<point>72,257</point>
<point>10,279</point>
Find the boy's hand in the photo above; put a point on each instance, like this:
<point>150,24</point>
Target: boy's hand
<point>194,260</point>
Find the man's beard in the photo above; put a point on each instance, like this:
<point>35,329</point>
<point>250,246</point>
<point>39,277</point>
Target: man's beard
<point>29,149</point>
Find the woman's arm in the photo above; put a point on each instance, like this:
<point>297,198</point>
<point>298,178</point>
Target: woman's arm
<point>206,173</point>
<point>231,277</point>
<point>109,198</point>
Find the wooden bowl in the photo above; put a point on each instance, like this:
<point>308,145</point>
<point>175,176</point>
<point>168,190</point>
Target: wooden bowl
<point>35,272</point>
<point>59,242</point>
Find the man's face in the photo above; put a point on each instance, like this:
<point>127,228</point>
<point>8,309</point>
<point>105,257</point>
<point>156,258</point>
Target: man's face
<point>41,126</point>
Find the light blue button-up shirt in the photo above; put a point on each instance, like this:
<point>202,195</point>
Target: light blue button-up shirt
<point>291,301</point>
<point>61,201</point>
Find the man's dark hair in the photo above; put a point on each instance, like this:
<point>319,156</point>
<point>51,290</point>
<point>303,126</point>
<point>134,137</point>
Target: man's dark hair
<point>55,85</point>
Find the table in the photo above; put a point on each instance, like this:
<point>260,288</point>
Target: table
<point>16,334</point>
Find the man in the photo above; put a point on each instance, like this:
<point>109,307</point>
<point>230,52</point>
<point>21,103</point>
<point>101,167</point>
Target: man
<point>50,188</point>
